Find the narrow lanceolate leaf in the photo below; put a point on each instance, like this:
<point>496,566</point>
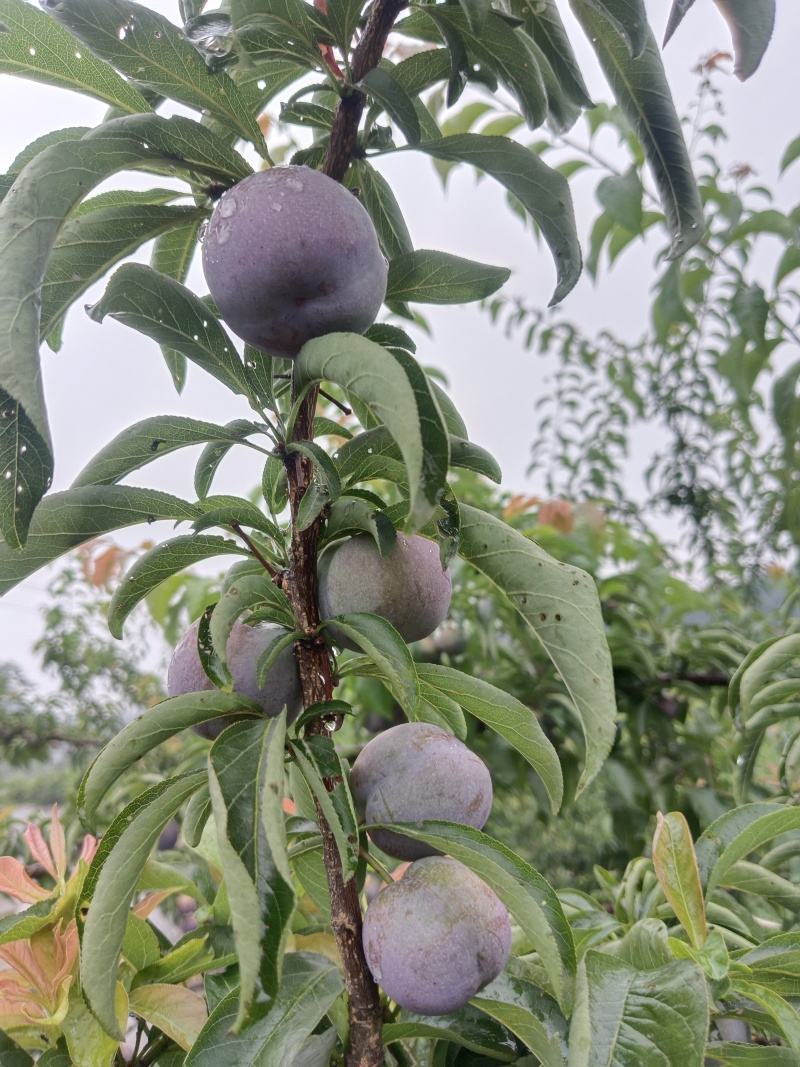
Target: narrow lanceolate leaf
<point>531,899</point>
<point>31,215</point>
<point>751,24</point>
<point>734,835</point>
<point>623,1015</point>
<point>89,245</point>
<point>504,714</point>
<point>467,1027</point>
<point>320,766</point>
<point>528,1013</point>
<point>172,254</point>
<point>429,277</point>
<point>66,520</point>
<point>541,190</point>
<point>146,732</point>
<point>246,784</point>
<point>378,198</point>
<point>642,92</point>
<point>147,47</point>
<point>184,142</point>
<point>562,607</point>
<point>310,985</point>
<point>543,23</point>
<point>783,1013</point>
<point>35,48</point>
<point>383,86</point>
<point>387,650</point>
<point>246,593</point>
<point>160,563</point>
<point>505,50</point>
<point>474,458</point>
<point>733,1054</point>
<point>105,901</point>
<point>375,377</point>
<point>676,868</point>
<point>171,314</point>
<point>145,441</point>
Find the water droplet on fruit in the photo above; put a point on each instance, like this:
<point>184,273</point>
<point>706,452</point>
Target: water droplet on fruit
<point>223,233</point>
<point>294,183</point>
<point>227,206</point>
<point>201,233</point>
<point>275,207</point>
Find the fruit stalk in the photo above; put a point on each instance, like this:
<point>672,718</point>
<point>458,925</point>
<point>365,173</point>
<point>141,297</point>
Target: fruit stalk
<point>365,1047</point>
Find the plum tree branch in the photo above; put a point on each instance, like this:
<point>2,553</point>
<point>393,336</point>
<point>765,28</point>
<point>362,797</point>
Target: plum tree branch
<point>365,1047</point>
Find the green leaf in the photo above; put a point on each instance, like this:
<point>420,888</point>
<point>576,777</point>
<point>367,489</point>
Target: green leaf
<point>66,520</point>
<point>11,1055</point>
<point>197,814</point>
<point>779,1009</point>
<point>325,469</point>
<point>88,1043</point>
<point>89,245</point>
<point>730,1054</point>
<point>676,868</point>
<point>528,1013</point>
<point>737,833</point>
<point>140,946</point>
<point>561,605</point>
<point>176,1011</point>
<point>32,213</point>
<point>110,885</point>
<point>469,1028</point>
<point>382,85</point>
<point>172,254</point>
<point>642,92</point>
<point>246,785</point>
<point>285,29</point>
<point>387,650</point>
<point>650,1018</point>
<point>320,765</point>
<point>145,441</point>
<point>343,16</point>
<point>541,190</point>
<point>161,308</point>
<point>147,47</point>
<point>790,155</point>
<point>21,925</point>
<point>309,987</point>
<point>183,143</point>
<point>472,457</point>
<point>751,311</point>
<point>183,961</point>
<point>629,19</point>
<point>35,48</point>
<point>423,69</point>
<point>507,51</point>
<point>158,564</point>
<point>383,383</point>
<point>146,732</point>
<point>250,591</point>
<point>543,23</point>
<point>429,277</point>
<point>505,715</point>
<point>621,196</point>
<point>528,896</point>
<point>751,23</point>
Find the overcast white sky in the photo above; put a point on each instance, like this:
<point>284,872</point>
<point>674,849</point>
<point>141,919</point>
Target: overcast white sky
<point>107,377</point>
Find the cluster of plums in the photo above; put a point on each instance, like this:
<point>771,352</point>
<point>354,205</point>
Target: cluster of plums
<point>433,939</point>
<point>290,255</point>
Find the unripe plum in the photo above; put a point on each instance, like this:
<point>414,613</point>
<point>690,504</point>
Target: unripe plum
<point>417,771</point>
<point>290,254</point>
<point>409,588</point>
<point>245,644</point>
<point>436,937</point>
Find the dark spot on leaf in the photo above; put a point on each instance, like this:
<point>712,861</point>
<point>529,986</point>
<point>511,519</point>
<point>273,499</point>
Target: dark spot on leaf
<point>151,519</point>
<point>559,618</point>
<point>542,616</point>
<point>157,444</point>
<point>524,599</point>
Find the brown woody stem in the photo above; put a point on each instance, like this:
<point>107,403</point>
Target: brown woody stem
<point>365,1048</point>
